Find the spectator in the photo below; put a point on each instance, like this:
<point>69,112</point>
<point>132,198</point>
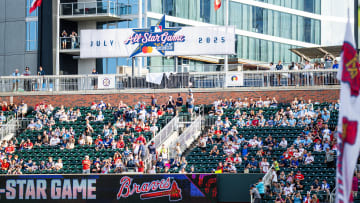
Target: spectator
<point>325,187</point>
<point>255,194</point>
<point>86,165</point>
<point>27,82</point>
<point>330,158</point>
<point>64,36</point>
<point>59,165</point>
<point>260,187</point>
<point>73,37</point>
<point>299,176</point>
<point>315,186</point>
<point>16,81</point>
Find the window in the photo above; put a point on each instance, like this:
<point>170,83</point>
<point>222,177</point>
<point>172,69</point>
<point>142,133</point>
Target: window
<point>31,35</point>
<point>28,5</point>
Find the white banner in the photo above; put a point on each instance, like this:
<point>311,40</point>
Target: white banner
<point>106,82</point>
<point>234,79</point>
<point>157,41</point>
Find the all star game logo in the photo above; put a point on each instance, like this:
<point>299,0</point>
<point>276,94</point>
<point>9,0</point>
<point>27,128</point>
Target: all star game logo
<point>158,37</point>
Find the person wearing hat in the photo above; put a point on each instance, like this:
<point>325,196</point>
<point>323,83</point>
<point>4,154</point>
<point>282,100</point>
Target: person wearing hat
<point>27,82</point>
<point>86,165</point>
<point>255,194</point>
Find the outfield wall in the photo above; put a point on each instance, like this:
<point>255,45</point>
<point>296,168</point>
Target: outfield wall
<point>202,96</point>
<point>189,188</point>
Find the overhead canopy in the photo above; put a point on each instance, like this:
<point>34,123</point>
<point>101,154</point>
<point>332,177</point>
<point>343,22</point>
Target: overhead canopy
<point>318,52</point>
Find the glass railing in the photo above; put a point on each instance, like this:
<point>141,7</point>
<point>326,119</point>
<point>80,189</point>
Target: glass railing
<point>68,43</point>
<point>94,8</point>
<point>245,79</point>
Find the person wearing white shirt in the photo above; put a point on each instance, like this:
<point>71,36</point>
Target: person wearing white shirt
<point>54,141</point>
<point>100,117</point>
<point>283,143</point>
<point>309,159</point>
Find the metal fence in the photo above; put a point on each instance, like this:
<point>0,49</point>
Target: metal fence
<point>174,80</point>
<point>68,43</point>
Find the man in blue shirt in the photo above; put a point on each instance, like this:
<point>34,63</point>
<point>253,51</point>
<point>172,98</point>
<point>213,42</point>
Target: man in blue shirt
<point>244,151</point>
<point>335,65</point>
<point>16,82</point>
<point>260,187</point>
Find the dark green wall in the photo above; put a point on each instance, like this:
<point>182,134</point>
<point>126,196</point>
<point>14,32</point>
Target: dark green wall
<point>236,187</point>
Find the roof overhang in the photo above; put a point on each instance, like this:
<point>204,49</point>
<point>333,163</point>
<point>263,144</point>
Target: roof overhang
<point>318,52</point>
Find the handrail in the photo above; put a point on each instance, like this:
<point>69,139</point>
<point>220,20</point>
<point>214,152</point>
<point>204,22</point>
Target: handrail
<point>10,127</point>
<point>164,133</point>
<point>176,80</point>
<point>188,136</point>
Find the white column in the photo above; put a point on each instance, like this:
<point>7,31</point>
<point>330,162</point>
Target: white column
<point>140,26</point>
<point>226,65</point>
<point>145,24</point>
<point>57,60</point>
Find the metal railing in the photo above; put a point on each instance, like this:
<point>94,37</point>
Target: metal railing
<point>175,80</point>
<point>9,128</point>
<point>190,134</point>
<point>69,43</point>
<point>113,8</point>
<point>164,133</point>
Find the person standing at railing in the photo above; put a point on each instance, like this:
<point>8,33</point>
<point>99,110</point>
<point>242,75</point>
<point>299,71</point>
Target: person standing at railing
<point>63,35</point>
<point>73,37</point>
<point>272,78</point>
<point>279,67</point>
<point>27,82</point>
<point>94,79</point>
<point>41,82</point>
<point>16,81</point>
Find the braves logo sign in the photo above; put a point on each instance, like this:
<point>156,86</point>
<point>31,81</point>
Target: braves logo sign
<point>149,190</point>
<point>350,71</point>
<point>158,37</point>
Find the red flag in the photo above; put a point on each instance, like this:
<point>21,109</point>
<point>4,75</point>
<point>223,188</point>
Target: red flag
<point>34,5</point>
<point>217,4</point>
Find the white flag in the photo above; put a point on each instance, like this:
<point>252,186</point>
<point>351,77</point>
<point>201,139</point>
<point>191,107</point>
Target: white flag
<point>349,118</point>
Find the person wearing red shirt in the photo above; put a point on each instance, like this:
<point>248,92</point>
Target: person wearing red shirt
<point>86,165</point>
<point>10,149</point>
<point>98,140</point>
<point>5,165</point>
<point>28,144</point>
<point>120,144</point>
<point>141,138</point>
<point>141,166</point>
<point>147,127</point>
<point>299,176</point>
<point>138,128</point>
<point>255,122</point>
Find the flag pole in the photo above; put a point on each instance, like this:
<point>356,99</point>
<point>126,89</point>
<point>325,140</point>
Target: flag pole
<point>57,58</point>
<point>226,65</point>
<point>140,16</point>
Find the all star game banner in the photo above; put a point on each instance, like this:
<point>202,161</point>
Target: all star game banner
<point>158,40</point>
<point>197,188</point>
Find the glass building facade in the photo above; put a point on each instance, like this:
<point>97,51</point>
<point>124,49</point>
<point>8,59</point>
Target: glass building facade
<point>31,21</point>
<point>250,18</point>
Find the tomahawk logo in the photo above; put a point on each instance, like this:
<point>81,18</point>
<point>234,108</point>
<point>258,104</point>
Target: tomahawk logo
<point>351,66</point>
<point>150,190</point>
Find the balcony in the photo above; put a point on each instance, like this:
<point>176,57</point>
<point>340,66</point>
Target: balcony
<point>96,11</point>
<point>69,45</point>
